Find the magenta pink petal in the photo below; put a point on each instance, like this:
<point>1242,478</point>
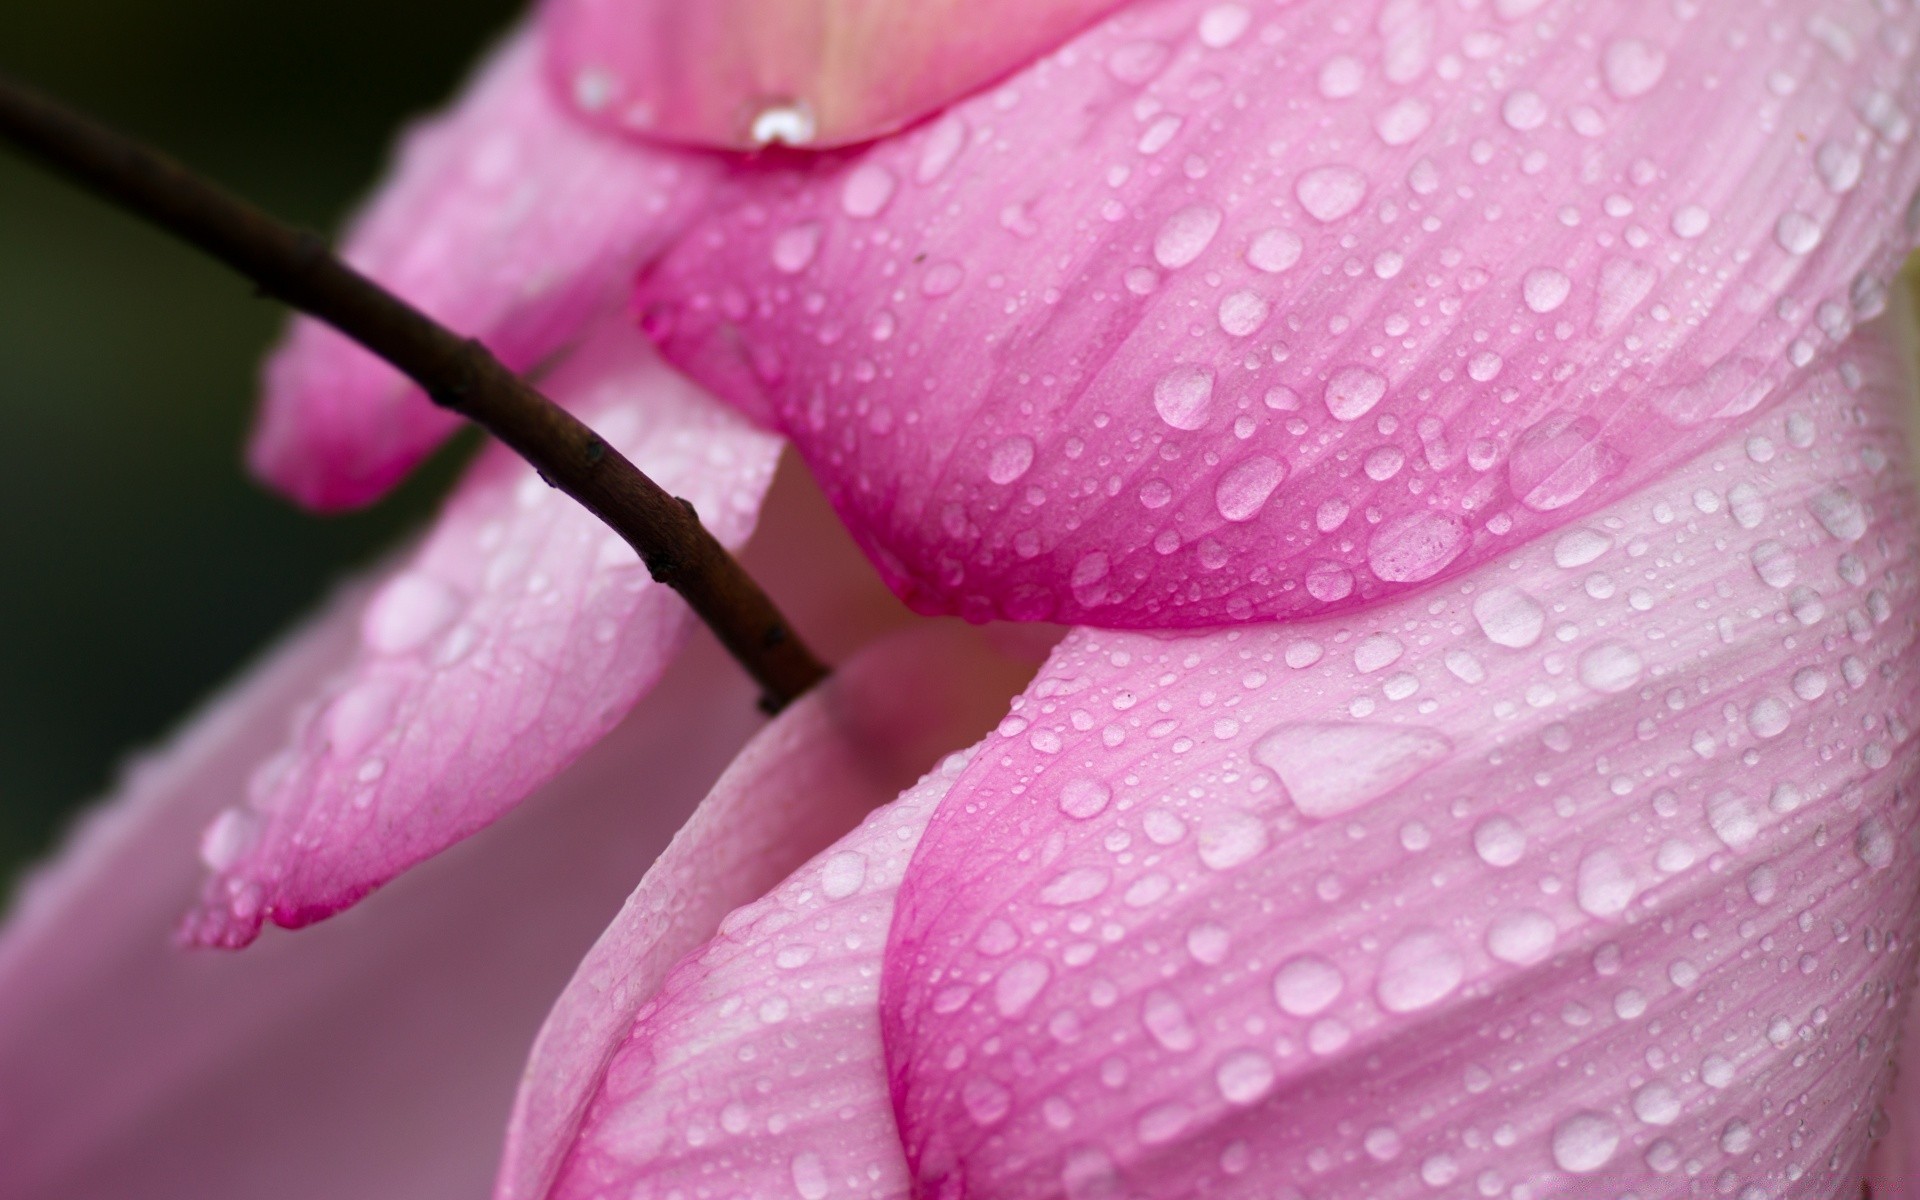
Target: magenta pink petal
<point>507,220</point>
<point>1229,312</point>
<point>758,1062</point>
<point>1589,874</point>
<point>746,73</point>
<point>840,752</point>
<point>372,1058</point>
<point>512,639</point>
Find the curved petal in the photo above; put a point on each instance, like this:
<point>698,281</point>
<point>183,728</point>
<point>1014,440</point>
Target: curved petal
<point>517,634</point>
<point>375,1057</point>
<point>1228,312</point>
<point>1593,873</point>
<point>810,777</point>
<point>505,219</point>
<point>747,73</point>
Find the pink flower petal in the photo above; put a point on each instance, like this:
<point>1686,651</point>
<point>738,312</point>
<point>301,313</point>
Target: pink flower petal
<point>517,634</point>
<point>747,73</point>
<point>1230,312</point>
<point>806,780</point>
<point>374,1057</point>
<point>507,220</point>
<point>1590,874</point>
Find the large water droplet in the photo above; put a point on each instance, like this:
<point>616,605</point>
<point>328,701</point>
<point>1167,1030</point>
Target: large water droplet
<point>1584,1142</point>
<point>1559,460</point>
<point>408,611</point>
<point>1185,234</point>
<point>1184,397</point>
<point>1010,459</point>
<point>1416,546</point>
<point>1632,67</point>
<point>1352,392</point>
<point>1307,986</point>
<point>1331,192</point>
<point>1244,489</point>
<point>1521,938</point>
<point>1422,968</point>
<point>1509,617</point>
<point>1332,768</point>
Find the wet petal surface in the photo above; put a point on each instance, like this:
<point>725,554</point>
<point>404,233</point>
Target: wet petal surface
<point>748,73</point>
<point>507,220</point>
<point>1226,312</point>
<point>512,639</point>
<point>1592,872</point>
<point>838,753</point>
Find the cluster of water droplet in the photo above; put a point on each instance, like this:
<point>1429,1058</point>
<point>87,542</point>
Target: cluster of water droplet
<point>1326,305</point>
<point>516,593</point>
<point>1592,868</point>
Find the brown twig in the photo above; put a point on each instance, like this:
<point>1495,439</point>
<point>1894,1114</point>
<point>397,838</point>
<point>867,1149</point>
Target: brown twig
<point>459,373</point>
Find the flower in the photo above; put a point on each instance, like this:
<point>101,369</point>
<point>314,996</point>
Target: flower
<point>1458,435</point>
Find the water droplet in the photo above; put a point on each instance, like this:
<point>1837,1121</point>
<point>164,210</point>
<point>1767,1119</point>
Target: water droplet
<point>1245,488</point>
<point>1797,233</point>
<point>1632,67</point>
<point>1242,313</point>
<point>1559,460</point>
<point>1690,221</point>
<point>1229,837</point>
<point>794,248</point>
<point>1578,547</point>
<point>985,1101</point>
<point>1274,250</point>
<point>1521,938</point>
<point>1499,841</point>
<point>1184,397</point>
<point>1656,1104</point>
<point>1010,459</point>
<point>1243,1077</point>
<point>1377,652</point>
<point>1168,1022</point>
<point>1222,25</point>
<point>227,837</point>
<point>1416,546</point>
<point>1610,667</point>
<point>1185,234</point>
<point>407,612</point>
<point>1509,617</point>
<point>868,188</point>
<point>1420,969</point>
<point>1584,1142</point>
<point>1018,985</point>
<point>1840,166</point>
<point>1769,717</point>
<point>1332,768</point>
<point>1730,815</point>
<point>1873,842</point>
<point>1307,986</point>
<point>1774,564</point>
<point>1602,886</point>
<point>1083,799</point>
<point>788,124</point>
<point>1545,289</point>
<point>1331,192</point>
<point>843,874</point>
<point>1342,76</point>
<point>1524,110</point>
<point>1403,120</point>
<point>1839,512</point>
<point>1352,392</point>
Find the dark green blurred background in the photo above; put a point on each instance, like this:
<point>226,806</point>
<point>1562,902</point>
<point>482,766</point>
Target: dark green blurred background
<point>138,565</point>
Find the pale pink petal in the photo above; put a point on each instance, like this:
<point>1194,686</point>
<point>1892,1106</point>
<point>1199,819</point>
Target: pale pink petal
<point>518,634</point>
<point>1230,311</point>
<point>1590,874</point>
<point>1893,1171</point>
<point>372,1058</point>
<point>747,73</point>
<point>506,219</point>
<point>840,752</point>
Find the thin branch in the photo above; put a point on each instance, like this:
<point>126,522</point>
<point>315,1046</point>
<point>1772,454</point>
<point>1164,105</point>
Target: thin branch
<point>459,373</point>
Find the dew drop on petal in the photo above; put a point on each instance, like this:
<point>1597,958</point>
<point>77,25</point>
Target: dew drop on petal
<point>407,612</point>
<point>1839,512</point>
<point>1243,313</point>
<point>1331,192</point>
<point>1609,667</point>
<point>1521,938</point>
<point>1229,838</point>
<point>1352,392</point>
<point>1420,969</point>
<point>1333,768</point>
<point>1245,488</point>
<point>843,874</point>
<point>1274,250</point>
<point>1416,546</point>
<point>1545,289</point>
<point>1602,886</point>
<point>1797,233</point>
<point>1509,617</point>
<point>1184,397</point>
<point>1243,1077</point>
<point>1632,67</point>
<point>794,248</point>
<point>1585,1142</point>
<point>1083,799</point>
<point>1307,986</point>
<point>1010,459</point>
<point>1185,235</point>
